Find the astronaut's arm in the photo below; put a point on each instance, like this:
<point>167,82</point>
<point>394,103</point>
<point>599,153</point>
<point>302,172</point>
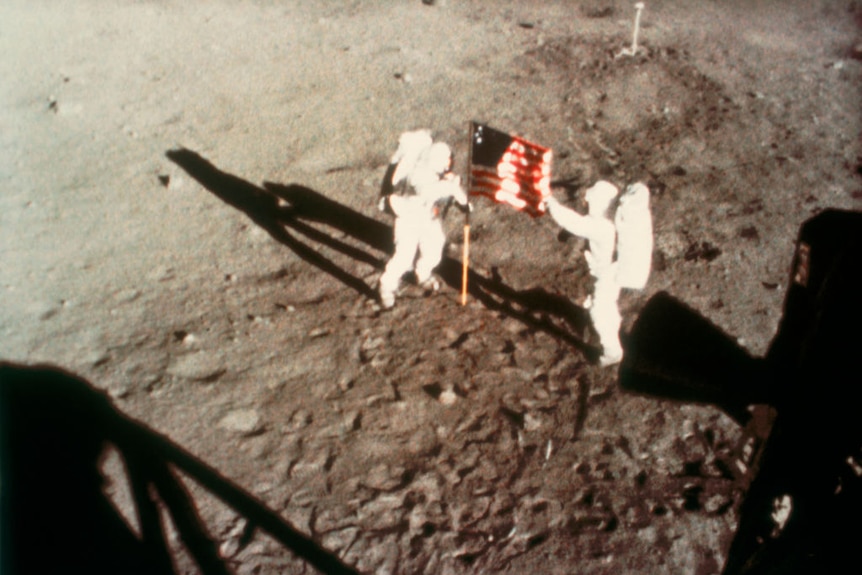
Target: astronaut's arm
<point>386,186</point>
<point>446,189</point>
<point>456,191</point>
<point>570,220</point>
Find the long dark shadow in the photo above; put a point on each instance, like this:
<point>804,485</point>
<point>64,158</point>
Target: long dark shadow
<point>534,307</point>
<point>276,207</point>
<point>263,208</point>
<point>54,517</point>
<point>314,207</point>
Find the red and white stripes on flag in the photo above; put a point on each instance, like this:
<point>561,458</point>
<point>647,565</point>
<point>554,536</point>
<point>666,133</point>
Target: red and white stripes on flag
<point>509,169</point>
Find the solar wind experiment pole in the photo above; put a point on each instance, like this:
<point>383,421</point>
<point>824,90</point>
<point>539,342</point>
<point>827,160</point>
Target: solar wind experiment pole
<point>634,49</point>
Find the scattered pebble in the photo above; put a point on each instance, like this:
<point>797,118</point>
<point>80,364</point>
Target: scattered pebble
<point>242,421</point>
<point>448,397</point>
<point>340,539</point>
<point>716,503</point>
<point>198,366</point>
<point>319,332</point>
<point>384,477</point>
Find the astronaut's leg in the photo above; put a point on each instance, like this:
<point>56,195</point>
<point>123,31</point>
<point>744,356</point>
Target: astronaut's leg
<point>431,243</point>
<point>406,242</point>
<point>606,318</point>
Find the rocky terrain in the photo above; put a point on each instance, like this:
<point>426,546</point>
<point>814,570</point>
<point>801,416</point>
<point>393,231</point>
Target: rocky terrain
<point>188,221</point>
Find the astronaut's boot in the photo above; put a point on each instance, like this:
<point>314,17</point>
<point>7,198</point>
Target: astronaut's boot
<point>387,288</point>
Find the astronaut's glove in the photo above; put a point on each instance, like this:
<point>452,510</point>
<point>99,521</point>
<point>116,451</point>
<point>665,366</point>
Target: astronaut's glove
<point>383,205</point>
<point>450,177</point>
<point>466,208</point>
<point>592,264</point>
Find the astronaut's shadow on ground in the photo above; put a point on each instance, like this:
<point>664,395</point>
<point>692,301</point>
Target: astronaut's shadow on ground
<point>55,515</point>
<point>280,209</point>
<point>265,210</point>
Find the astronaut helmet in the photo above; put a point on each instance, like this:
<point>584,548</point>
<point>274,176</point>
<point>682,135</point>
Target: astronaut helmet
<point>600,196</point>
<point>438,158</point>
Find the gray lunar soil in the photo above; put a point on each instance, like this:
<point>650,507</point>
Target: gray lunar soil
<point>188,220</point>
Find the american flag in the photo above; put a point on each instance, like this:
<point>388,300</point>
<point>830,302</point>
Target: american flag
<point>509,169</point>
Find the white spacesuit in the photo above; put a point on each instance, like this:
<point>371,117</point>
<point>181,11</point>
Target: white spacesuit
<point>419,237</point>
<point>630,235</point>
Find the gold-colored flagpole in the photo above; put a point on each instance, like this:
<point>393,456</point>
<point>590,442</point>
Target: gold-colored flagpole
<point>465,258</point>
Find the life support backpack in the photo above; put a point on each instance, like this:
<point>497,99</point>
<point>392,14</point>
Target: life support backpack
<point>411,146</point>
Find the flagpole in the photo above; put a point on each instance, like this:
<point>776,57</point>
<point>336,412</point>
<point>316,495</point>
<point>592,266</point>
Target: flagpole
<point>465,258</point>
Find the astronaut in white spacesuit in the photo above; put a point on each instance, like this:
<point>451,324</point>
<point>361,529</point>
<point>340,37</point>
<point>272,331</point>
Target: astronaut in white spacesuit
<point>629,236</point>
<point>422,169</point>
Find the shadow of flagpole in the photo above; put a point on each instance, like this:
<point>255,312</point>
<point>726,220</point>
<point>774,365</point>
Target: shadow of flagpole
<point>523,305</point>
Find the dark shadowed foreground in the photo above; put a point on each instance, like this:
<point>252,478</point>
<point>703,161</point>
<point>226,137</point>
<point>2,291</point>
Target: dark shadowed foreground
<point>56,515</point>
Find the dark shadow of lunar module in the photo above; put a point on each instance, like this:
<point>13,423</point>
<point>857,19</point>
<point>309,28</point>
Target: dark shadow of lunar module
<point>801,465</point>
<point>55,516</point>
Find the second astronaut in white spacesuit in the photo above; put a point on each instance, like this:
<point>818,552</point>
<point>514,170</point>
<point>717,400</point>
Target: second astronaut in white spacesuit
<point>422,169</point>
<point>629,235</point>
